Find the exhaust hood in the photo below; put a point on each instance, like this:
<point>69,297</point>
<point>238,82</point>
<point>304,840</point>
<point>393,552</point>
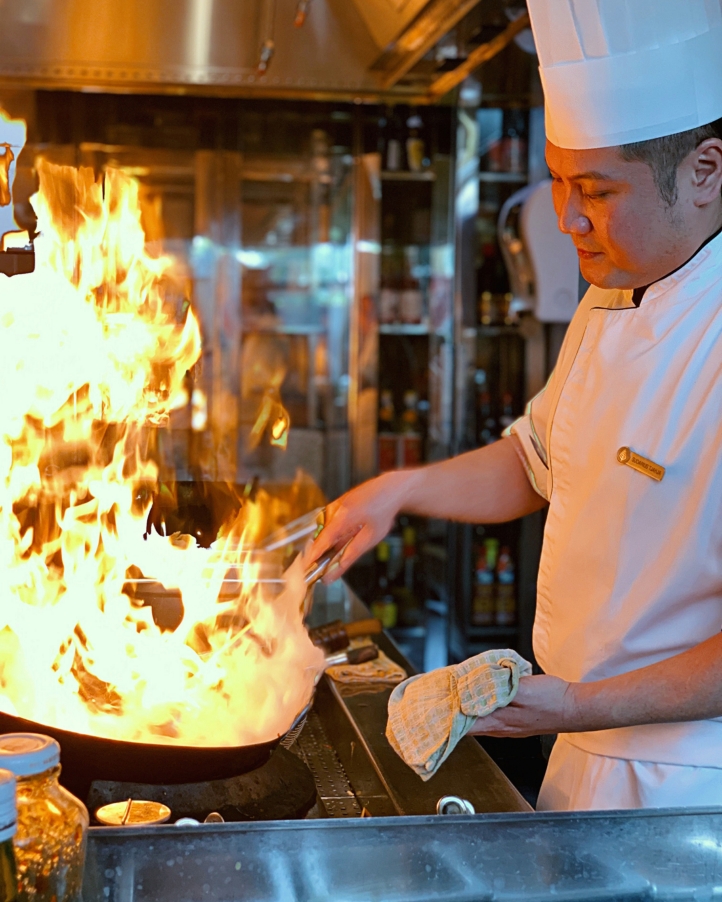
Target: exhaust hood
<point>352,49</point>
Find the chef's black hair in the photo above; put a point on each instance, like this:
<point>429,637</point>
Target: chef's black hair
<point>664,155</point>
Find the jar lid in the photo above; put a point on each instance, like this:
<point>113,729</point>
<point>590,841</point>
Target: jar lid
<point>8,806</point>
<point>27,754</point>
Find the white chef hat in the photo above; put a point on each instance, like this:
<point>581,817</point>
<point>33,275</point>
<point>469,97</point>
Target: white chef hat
<point>618,71</point>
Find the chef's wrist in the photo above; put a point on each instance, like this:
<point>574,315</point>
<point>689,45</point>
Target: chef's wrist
<point>406,485</point>
<point>595,705</point>
<point>580,708</point>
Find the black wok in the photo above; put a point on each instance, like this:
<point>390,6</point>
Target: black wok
<point>86,758</point>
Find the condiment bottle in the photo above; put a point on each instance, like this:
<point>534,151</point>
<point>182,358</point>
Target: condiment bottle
<point>52,823</point>
<point>383,605</point>
<point>387,434</point>
<point>8,827</point>
<point>505,592</point>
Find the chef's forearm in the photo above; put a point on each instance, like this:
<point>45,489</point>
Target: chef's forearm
<point>687,686</point>
<point>488,485</point>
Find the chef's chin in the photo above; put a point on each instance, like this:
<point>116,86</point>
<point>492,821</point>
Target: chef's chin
<point>598,271</point>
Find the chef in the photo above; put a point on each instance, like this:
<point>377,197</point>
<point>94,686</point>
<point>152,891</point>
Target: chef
<point>624,445</point>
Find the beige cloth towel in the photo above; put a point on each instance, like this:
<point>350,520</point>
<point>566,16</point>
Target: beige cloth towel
<point>430,713</point>
<point>380,670</point>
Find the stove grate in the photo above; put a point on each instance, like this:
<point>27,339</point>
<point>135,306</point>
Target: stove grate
<point>332,784</point>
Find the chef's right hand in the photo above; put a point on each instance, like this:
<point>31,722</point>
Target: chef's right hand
<point>358,520</point>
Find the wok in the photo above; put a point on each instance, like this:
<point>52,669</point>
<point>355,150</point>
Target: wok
<point>85,758</point>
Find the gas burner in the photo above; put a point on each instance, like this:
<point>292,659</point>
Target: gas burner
<point>283,788</point>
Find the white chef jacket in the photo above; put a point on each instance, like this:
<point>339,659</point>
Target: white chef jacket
<point>631,568</point>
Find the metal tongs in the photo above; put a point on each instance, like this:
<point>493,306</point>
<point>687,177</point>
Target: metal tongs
<point>309,524</point>
<point>316,571</point>
<point>320,566</point>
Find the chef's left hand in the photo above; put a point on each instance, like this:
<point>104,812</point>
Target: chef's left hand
<point>543,704</point>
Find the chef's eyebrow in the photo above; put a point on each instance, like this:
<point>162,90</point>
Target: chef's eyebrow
<point>590,175</point>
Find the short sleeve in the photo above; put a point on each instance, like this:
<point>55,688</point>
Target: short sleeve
<point>531,431</point>
<point>534,428</point>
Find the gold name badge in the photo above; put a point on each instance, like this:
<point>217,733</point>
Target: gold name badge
<point>641,464</point>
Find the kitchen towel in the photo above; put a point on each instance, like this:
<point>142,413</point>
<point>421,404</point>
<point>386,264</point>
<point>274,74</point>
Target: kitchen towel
<point>431,712</point>
<point>380,670</point>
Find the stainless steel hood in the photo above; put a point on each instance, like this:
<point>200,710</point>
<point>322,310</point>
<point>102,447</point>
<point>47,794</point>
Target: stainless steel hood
<point>211,46</point>
<point>355,49</point>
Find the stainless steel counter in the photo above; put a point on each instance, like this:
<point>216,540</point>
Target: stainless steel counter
<point>605,857</point>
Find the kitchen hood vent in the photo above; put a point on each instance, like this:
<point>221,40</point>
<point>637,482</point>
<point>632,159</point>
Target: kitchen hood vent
<point>313,49</point>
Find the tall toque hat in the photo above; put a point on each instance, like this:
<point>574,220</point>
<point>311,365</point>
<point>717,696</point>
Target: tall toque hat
<point>619,71</point>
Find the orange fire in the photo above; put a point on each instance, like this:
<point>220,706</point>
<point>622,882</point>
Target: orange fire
<point>93,358</point>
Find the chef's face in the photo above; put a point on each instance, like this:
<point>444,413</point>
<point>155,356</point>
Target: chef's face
<point>625,234</point>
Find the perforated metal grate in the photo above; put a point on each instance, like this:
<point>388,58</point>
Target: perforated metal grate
<point>332,784</point>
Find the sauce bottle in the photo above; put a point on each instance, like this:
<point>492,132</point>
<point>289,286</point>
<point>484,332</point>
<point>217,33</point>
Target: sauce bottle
<point>506,590</point>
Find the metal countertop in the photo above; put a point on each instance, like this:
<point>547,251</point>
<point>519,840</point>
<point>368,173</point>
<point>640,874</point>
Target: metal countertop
<point>660,856</point>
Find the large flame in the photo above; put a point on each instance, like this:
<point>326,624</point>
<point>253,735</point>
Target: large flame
<point>93,359</point>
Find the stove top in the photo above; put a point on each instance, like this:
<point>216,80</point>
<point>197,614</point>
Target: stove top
<point>281,789</point>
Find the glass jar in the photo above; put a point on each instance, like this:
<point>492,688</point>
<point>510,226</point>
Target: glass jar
<point>52,823</point>
<point>8,827</point>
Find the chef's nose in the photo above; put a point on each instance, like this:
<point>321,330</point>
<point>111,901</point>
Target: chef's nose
<point>571,220</point>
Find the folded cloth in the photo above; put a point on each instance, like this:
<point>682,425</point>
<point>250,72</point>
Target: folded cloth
<point>380,670</point>
<point>431,712</point>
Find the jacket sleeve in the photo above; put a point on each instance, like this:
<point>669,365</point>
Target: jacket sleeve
<point>531,431</point>
<point>534,428</point>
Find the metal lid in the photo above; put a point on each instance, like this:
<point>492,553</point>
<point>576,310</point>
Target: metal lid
<point>8,806</point>
<point>133,813</point>
<point>27,754</point>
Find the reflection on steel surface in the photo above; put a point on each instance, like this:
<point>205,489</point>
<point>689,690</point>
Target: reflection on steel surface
<point>604,856</point>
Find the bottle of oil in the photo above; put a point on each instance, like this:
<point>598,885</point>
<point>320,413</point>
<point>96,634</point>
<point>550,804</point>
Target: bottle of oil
<point>484,604</point>
<point>384,606</point>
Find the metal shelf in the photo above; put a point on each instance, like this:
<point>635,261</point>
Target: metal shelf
<point>492,331</point>
<point>518,177</point>
<point>404,329</point>
<point>427,175</point>
<point>285,329</point>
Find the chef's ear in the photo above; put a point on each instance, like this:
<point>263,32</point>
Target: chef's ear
<point>707,172</point>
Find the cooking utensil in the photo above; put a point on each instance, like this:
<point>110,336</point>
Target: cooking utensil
<point>86,758</point>
<point>353,656</point>
<point>317,570</point>
<point>309,524</point>
<point>337,634</point>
